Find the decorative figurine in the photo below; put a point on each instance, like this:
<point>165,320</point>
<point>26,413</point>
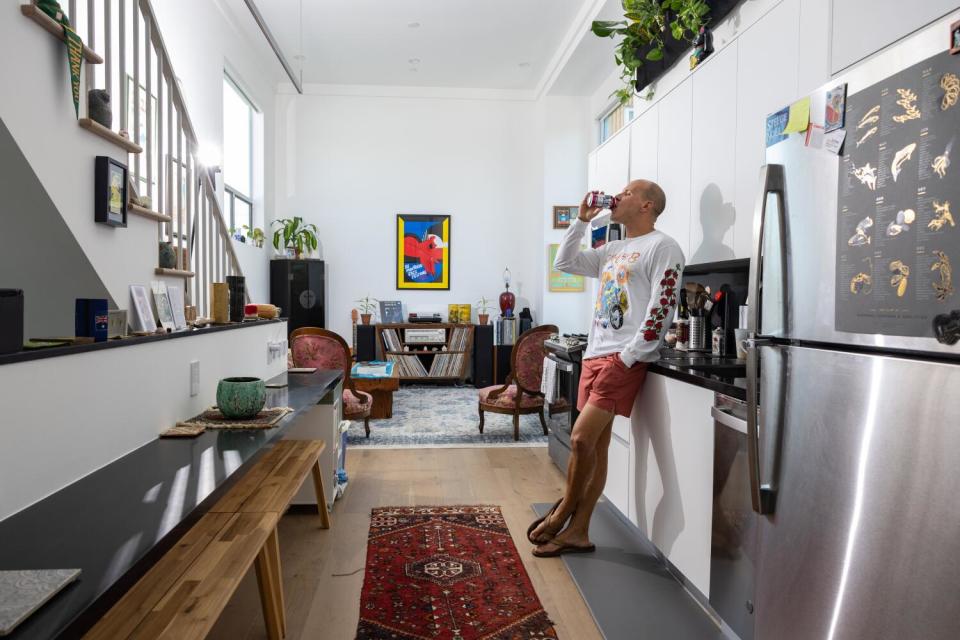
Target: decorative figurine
<point>702,47</point>
<point>98,107</point>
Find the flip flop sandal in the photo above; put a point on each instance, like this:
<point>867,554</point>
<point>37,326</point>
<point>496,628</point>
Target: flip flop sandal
<point>563,549</point>
<point>536,523</point>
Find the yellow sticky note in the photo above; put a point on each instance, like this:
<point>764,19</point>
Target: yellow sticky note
<point>799,116</point>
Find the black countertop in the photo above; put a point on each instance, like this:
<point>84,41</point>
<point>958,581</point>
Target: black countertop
<point>686,367</point>
<point>115,523</point>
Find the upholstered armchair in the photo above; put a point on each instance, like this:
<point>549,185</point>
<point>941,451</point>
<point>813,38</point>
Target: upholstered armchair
<point>314,347</point>
<point>521,394</point>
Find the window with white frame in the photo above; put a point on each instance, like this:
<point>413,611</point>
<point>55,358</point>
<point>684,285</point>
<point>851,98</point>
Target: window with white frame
<point>238,159</point>
<point>616,119</point>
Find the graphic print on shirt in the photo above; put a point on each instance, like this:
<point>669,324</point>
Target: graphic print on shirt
<point>660,308</point>
<point>612,300</point>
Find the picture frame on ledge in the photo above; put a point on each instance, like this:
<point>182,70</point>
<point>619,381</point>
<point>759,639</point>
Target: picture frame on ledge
<point>564,215</point>
<point>110,192</point>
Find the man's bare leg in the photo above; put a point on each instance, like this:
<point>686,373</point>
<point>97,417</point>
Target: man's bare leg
<point>587,432</point>
<point>577,532</point>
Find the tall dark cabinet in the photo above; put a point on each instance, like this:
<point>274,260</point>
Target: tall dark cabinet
<point>299,288</point>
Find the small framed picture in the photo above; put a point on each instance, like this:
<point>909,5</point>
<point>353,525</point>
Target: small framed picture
<point>110,192</point>
<point>141,318</point>
<point>955,37</point>
<point>562,216</point>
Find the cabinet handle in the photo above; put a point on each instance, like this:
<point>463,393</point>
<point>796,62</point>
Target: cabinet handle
<point>728,420</point>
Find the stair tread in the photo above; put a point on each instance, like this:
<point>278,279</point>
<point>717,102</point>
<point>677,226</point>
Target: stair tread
<point>124,143</point>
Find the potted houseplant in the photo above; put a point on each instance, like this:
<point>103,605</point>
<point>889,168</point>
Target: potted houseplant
<point>483,308</point>
<point>292,233</point>
<point>645,25</point>
<point>256,235</point>
<point>367,306</point>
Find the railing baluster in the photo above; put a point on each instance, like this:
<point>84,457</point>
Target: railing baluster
<point>91,42</point>
<point>161,194</point>
<point>188,289</point>
<point>135,136</point>
<point>108,47</point>
<point>180,203</point>
<point>72,13</point>
<point>148,73</point>
<point>122,79</point>
<point>168,159</point>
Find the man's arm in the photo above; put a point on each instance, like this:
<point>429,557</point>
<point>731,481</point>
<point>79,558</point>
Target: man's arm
<point>570,259</point>
<point>664,289</point>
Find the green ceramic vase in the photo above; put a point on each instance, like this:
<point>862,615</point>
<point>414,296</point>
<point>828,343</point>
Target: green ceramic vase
<point>241,398</point>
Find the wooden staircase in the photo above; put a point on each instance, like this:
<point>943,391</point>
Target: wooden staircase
<point>158,137</point>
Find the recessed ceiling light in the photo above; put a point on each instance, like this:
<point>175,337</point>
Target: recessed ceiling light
<point>523,65</point>
<point>414,60</point>
<point>414,69</point>
<point>413,25</point>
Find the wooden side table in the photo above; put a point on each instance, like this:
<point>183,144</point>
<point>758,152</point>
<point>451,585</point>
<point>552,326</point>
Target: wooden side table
<point>382,391</point>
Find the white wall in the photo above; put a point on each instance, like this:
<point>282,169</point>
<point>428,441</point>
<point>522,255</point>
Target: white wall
<point>351,163</point>
<point>66,417</point>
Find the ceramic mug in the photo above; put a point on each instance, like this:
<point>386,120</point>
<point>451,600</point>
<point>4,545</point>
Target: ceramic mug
<point>740,339</point>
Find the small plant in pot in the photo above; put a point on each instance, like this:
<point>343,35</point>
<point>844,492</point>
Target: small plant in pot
<point>292,233</point>
<point>483,310</point>
<point>367,306</point>
<point>256,235</point>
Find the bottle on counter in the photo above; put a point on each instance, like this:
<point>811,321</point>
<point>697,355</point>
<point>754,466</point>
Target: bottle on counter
<point>717,342</point>
<point>683,326</point>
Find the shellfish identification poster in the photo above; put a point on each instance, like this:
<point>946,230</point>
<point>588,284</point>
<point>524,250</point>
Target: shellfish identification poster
<point>899,191</point>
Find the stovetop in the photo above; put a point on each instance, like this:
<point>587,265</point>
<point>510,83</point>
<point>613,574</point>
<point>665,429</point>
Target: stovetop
<point>566,343</point>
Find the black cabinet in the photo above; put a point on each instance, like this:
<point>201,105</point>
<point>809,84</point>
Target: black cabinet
<point>298,287</point>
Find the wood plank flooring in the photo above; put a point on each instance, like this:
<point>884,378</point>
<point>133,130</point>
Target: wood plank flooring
<point>323,569</point>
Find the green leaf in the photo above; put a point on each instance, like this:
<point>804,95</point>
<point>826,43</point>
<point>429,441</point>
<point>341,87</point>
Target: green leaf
<point>607,28</point>
<point>655,54</point>
<point>677,31</point>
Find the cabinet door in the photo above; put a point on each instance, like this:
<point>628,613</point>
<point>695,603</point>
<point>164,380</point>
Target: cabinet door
<point>671,481</point>
<point>673,164</point>
<point>765,84</point>
<point>644,132</point>
<point>712,182</point>
<point>613,159</point>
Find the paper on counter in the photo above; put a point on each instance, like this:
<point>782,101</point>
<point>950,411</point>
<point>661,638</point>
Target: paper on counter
<point>799,116</point>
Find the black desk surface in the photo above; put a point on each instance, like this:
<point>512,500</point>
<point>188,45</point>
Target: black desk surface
<point>115,523</point>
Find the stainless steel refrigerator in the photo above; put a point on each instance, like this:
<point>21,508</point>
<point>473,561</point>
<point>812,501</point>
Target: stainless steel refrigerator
<point>855,454</point>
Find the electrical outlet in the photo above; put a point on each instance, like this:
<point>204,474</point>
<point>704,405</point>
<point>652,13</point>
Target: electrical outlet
<point>194,378</point>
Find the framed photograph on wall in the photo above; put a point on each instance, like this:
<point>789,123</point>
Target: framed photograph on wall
<point>558,281</point>
<point>110,192</point>
<point>423,251</point>
<point>564,215</point>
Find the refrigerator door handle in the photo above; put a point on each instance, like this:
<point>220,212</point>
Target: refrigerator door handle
<point>762,497</point>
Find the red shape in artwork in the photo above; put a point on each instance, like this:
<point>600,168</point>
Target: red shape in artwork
<point>428,251</point>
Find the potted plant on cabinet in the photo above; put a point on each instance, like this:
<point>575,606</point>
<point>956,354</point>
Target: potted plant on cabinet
<point>292,233</point>
<point>256,235</point>
<point>367,306</point>
<point>483,309</point>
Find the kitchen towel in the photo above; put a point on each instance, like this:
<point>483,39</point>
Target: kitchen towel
<point>548,383</point>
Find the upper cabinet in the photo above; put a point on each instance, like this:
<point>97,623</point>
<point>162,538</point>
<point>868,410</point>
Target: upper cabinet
<point>644,132</point>
<point>765,84</point>
<point>613,160</point>
<point>673,164</point>
<point>713,213</point>
<point>862,27</point>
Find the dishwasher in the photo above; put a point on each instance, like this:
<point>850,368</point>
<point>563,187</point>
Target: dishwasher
<point>733,543</point>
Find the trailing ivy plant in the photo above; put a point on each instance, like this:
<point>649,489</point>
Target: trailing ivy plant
<point>644,25</point>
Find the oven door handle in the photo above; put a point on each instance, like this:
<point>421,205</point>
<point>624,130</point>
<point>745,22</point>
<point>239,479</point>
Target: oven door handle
<point>562,365</point>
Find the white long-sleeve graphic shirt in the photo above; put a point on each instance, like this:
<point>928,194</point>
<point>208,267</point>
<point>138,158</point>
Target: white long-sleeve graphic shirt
<point>639,285</point>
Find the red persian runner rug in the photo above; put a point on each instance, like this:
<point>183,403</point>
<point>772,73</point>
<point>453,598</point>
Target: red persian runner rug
<point>446,573</point>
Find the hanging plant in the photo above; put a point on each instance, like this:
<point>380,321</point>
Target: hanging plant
<point>643,31</point>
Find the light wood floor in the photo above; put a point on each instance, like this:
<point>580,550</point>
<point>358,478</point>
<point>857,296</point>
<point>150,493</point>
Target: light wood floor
<point>321,604</point>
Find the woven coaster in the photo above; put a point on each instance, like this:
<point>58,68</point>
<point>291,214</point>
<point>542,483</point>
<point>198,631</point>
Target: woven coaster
<point>183,430</point>
<point>213,419</point>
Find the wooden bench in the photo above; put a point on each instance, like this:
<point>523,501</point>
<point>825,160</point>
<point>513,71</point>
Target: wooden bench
<point>183,595</point>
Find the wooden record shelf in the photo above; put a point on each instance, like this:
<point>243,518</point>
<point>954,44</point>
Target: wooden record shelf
<point>452,364</point>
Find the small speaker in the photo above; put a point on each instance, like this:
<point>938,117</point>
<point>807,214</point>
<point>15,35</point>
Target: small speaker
<point>366,342</point>
<point>483,356</point>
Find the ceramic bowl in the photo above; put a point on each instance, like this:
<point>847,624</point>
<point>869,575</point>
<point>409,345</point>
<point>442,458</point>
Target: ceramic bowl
<point>241,398</point>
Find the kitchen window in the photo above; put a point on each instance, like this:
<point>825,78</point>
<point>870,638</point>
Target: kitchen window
<point>616,119</point>
<point>238,154</point>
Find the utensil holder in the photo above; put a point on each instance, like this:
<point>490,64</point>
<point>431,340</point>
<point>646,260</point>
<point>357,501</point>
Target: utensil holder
<point>698,334</point>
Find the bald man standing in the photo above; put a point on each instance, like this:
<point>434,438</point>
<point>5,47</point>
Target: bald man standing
<point>639,281</point>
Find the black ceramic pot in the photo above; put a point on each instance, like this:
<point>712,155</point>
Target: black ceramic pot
<point>98,107</point>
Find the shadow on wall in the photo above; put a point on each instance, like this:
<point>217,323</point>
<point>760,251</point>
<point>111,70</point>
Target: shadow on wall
<point>650,423</point>
<point>716,219</point>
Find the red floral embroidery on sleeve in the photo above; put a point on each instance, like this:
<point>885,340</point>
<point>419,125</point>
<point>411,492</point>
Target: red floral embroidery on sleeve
<point>667,301</point>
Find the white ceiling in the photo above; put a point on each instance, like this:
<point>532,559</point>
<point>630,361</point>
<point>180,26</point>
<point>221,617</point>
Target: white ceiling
<point>592,60</point>
<point>495,44</point>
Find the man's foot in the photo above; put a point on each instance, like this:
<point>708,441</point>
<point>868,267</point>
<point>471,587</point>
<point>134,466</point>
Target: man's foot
<point>536,523</point>
<point>558,547</point>
<point>547,529</point>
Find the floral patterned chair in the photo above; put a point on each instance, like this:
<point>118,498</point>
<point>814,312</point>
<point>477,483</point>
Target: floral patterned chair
<point>313,347</point>
<point>521,394</point>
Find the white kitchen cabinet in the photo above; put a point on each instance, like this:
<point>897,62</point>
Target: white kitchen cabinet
<point>613,160</point>
<point>673,164</point>
<point>671,473</point>
<point>644,132</point>
<point>321,422</point>
<point>617,489</point>
<point>713,178</point>
<point>766,82</point>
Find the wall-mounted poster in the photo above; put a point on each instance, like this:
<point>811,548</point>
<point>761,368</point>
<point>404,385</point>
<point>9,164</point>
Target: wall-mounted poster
<point>423,251</point>
<point>559,281</point>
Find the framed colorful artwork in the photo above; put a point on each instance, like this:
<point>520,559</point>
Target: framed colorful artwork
<point>110,192</point>
<point>558,280</point>
<point>423,251</point>
<point>562,216</point>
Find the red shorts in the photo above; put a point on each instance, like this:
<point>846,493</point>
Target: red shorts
<point>608,384</point>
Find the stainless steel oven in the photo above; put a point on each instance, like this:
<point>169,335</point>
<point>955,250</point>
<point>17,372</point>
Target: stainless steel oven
<point>561,424</point>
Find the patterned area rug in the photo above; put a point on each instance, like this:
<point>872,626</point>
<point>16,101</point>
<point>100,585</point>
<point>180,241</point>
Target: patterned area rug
<point>431,416</point>
<point>446,573</point>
